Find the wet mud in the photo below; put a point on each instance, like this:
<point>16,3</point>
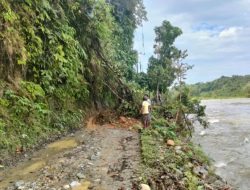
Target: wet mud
<point>96,157</point>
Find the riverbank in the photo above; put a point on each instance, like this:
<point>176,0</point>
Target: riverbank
<point>171,162</point>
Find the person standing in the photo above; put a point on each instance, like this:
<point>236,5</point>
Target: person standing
<point>150,109</point>
<point>145,111</point>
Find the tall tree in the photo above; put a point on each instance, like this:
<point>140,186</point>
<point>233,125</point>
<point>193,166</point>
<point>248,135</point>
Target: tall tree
<point>128,15</point>
<point>162,70</point>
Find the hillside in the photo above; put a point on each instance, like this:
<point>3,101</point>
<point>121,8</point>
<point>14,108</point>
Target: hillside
<point>235,86</point>
<point>58,60</point>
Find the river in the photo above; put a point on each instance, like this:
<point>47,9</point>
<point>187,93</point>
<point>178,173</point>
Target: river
<point>227,139</point>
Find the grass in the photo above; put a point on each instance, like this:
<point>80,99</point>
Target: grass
<point>175,163</point>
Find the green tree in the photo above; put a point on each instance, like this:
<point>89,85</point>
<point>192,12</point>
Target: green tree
<point>161,70</point>
<point>246,90</point>
<point>128,15</point>
<point>142,79</point>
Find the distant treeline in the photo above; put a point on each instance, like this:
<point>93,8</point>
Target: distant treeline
<point>224,87</point>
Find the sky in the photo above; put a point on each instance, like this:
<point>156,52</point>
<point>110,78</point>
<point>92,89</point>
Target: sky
<point>216,34</point>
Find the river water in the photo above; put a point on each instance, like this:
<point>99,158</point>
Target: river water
<point>227,139</point>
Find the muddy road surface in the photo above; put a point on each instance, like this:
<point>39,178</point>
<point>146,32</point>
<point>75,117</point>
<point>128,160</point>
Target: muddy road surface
<point>98,157</point>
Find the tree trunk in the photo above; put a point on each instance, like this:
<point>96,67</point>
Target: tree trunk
<point>157,93</point>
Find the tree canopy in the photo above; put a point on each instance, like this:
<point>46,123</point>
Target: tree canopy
<point>161,69</point>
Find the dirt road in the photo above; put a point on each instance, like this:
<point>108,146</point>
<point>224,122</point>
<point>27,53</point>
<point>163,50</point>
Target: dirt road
<point>98,157</point>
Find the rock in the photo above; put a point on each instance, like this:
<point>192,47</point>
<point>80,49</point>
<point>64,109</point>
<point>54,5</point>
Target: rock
<point>97,180</point>
<point>200,170</point>
<point>179,172</point>
<point>177,148</point>
<point>74,184</point>
<point>218,183</point>
<point>20,185</point>
<point>170,142</point>
<point>81,141</point>
<point>80,176</point>
<point>178,152</point>
<point>123,119</point>
<point>20,188</point>
<point>93,157</point>
<point>209,187</point>
<point>97,153</point>
<point>190,165</point>
<point>65,187</point>
<point>34,185</point>
<point>145,187</point>
<point>50,176</point>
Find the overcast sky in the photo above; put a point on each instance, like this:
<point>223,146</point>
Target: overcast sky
<point>216,34</point>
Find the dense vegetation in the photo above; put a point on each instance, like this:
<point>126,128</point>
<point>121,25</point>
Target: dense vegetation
<point>59,59</point>
<point>224,87</point>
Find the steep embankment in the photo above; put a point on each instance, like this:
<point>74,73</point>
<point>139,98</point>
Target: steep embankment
<point>224,87</point>
<point>58,60</point>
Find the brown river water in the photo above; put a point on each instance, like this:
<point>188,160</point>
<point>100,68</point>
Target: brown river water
<point>227,139</point>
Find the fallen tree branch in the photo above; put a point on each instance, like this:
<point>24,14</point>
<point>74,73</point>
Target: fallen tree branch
<point>112,91</point>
